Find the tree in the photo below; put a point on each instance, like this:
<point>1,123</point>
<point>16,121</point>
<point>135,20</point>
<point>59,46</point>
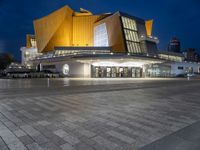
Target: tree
<point>5,60</point>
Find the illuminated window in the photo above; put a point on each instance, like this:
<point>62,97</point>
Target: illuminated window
<point>100,35</point>
<point>33,42</point>
<point>129,23</point>
<point>131,35</point>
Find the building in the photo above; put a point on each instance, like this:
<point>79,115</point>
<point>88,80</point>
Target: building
<point>192,55</point>
<point>81,44</point>
<point>174,45</point>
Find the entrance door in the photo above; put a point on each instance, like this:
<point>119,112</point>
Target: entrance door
<point>138,73</point>
<point>108,72</point>
<point>97,72</point>
<point>125,72</point>
<point>134,72</point>
<point>102,72</point>
<point>113,72</point>
<point>121,72</point>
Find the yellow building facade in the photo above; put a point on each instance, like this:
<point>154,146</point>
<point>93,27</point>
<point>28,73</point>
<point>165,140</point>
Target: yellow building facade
<point>67,28</point>
<point>64,27</point>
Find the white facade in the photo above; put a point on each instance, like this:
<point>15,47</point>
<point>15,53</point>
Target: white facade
<point>28,54</point>
<point>68,68</point>
<point>89,67</point>
<point>181,68</point>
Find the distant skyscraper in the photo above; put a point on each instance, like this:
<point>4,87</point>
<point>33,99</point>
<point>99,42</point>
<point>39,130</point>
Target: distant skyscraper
<point>174,45</point>
<point>192,55</point>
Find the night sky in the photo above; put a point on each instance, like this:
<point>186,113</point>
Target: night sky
<point>180,18</point>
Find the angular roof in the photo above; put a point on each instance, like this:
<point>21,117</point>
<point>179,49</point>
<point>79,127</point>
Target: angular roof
<point>47,26</point>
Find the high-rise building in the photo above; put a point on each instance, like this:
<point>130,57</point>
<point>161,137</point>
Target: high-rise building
<point>174,45</point>
<point>192,55</point>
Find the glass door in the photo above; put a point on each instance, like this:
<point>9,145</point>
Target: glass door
<point>97,72</point>
<point>138,73</point>
<point>114,72</point>
<point>133,72</point>
<point>108,72</point>
<point>125,72</point>
<point>121,72</point>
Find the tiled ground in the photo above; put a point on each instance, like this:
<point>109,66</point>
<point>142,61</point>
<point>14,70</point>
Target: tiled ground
<point>187,138</point>
<point>94,117</point>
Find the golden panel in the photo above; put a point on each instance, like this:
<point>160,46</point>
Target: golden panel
<point>149,25</point>
<point>83,12</point>
<point>115,33</point>
<point>65,27</point>
<point>54,29</point>
<point>83,30</point>
<point>28,41</point>
<point>62,37</point>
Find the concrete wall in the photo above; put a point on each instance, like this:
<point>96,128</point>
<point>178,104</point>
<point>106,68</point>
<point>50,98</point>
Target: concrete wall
<point>76,69</point>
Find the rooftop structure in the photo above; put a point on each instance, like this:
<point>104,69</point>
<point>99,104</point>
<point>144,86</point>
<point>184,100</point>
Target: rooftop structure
<point>67,28</point>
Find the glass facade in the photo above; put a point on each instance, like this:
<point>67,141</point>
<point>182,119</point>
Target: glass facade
<point>171,57</point>
<point>158,70</point>
<point>131,35</point>
<point>116,72</point>
<point>100,35</point>
<point>79,52</point>
<point>75,51</point>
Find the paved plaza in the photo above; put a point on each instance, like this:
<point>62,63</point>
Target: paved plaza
<point>100,114</point>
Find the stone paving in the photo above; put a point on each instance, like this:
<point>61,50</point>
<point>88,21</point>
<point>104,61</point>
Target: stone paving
<point>95,117</point>
<point>187,138</point>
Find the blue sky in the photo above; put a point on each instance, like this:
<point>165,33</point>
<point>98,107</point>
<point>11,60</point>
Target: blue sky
<point>180,18</point>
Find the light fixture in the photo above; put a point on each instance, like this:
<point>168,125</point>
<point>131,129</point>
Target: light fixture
<point>65,69</point>
<point>115,64</point>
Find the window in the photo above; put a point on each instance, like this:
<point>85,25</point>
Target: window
<point>48,67</point>
<point>33,42</point>
<point>180,67</point>
<point>131,35</point>
<point>129,23</point>
<point>100,35</point>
